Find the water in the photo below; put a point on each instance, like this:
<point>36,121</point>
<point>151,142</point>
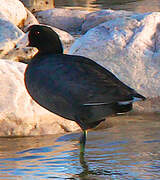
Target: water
<point>130,5</point>
<point>129,149</point>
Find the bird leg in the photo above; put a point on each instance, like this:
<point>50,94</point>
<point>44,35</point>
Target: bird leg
<point>83,141</point>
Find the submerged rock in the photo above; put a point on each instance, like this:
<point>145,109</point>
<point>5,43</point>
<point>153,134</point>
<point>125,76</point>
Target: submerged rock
<point>19,114</point>
<point>130,48</point>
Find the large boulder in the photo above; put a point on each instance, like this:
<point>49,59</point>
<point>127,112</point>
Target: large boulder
<point>65,19</point>
<point>13,10</point>
<point>19,114</point>
<point>130,48</point>
<point>95,18</point>
<point>13,14</point>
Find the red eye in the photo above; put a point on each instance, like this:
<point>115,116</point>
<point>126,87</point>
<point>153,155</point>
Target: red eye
<point>37,33</point>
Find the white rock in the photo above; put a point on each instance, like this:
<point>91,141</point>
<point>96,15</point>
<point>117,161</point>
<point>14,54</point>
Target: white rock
<point>95,18</point>
<point>19,114</point>
<point>65,19</point>
<point>13,14</point>
<point>29,21</point>
<point>65,37</point>
<point>130,48</point>
<point>9,35</point>
<point>14,11</point>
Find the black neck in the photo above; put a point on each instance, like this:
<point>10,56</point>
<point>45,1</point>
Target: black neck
<point>51,49</point>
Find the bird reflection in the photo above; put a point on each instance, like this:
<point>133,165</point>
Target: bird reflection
<point>86,170</point>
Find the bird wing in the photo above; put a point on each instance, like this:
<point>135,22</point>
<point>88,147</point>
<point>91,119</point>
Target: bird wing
<point>81,80</point>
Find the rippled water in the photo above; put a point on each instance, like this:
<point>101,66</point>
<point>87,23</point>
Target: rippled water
<point>130,149</point>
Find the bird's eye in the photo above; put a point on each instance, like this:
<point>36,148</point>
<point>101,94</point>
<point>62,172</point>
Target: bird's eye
<point>37,33</point>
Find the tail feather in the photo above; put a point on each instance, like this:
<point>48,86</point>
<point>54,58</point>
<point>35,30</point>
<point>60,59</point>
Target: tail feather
<point>142,98</point>
<point>135,97</point>
<point>122,108</point>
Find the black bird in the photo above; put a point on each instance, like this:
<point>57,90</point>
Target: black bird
<point>71,86</point>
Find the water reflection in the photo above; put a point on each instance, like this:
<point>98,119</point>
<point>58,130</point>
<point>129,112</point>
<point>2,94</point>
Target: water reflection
<point>130,5</point>
<point>87,172</point>
<point>93,4</point>
<point>127,150</point>
<point>34,156</point>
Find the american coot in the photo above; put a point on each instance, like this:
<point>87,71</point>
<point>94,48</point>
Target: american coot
<point>73,87</point>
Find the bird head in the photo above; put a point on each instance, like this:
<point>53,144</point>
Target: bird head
<point>45,39</point>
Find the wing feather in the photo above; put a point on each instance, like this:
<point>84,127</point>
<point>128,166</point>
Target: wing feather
<point>83,81</point>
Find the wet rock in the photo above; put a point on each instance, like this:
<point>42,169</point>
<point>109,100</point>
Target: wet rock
<point>65,19</point>
<point>130,48</point>
<point>95,18</point>
<point>14,11</point>
<point>19,114</point>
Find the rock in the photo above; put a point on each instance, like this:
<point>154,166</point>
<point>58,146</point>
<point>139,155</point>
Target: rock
<point>12,37</point>
<point>13,43</point>
<point>65,19</point>
<point>14,11</point>
<point>95,18</point>
<point>22,54</point>
<point>12,40</point>
<point>65,37</point>
<point>29,21</point>
<point>19,114</point>
<point>13,14</point>
<point>9,35</point>
<point>130,48</point>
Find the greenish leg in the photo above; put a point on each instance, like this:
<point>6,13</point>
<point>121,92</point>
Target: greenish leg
<point>83,141</point>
